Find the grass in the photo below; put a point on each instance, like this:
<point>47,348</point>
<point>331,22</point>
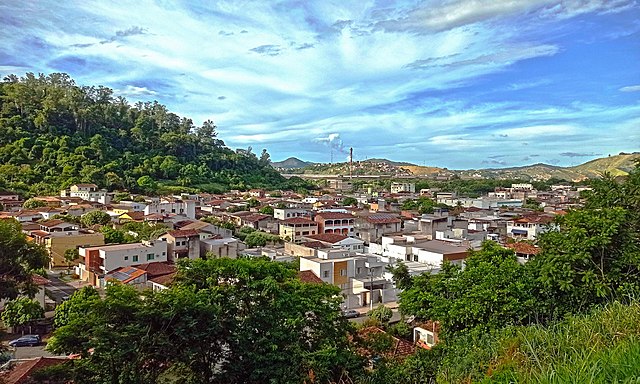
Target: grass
<point>602,347</point>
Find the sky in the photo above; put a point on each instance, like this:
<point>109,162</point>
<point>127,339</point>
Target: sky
<point>452,83</point>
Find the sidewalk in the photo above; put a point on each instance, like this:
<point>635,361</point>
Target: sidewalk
<point>393,305</point>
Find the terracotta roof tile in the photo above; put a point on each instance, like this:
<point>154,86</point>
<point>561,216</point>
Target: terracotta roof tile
<point>22,372</point>
<point>309,277</point>
<point>331,238</point>
<point>298,220</point>
<point>525,248</point>
<point>334,215</point>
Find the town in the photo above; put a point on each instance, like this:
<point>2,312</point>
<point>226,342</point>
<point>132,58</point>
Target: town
<point>348,239</point>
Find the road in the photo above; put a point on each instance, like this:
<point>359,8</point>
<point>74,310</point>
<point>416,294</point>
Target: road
<point>58,289</point>
<point>394,319</point>
<point>31,352</point>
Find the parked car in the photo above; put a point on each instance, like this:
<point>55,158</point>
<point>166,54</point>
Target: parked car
<point>26,340</point>
<point>350,313</point>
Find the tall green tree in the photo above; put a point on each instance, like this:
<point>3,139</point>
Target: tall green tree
<point>18,259</point>
<point>222,321</point>
<point>95,218</point>
<point>492,291</point>
<point>20,311</point>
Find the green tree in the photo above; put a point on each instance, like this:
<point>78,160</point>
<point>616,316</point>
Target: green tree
<point>70,255</point>
<point>18,259</point>
<point>76,307</point>
<point>95,218</point>
<point>20,311</point>
<point>492,291</point>
<point>33,203</point>
<point>267,210</point>
<point>381,313</point>
<point>350,202</point>
<point>401,275</point>
<point>147,184</point>
<point>236,321</point>
<point>112,236</point>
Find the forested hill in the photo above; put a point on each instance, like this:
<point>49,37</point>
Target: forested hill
<point>54,133</point>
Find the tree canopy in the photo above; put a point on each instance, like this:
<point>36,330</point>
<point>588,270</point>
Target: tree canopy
<point>56,133</point>
<point>18,259</point>
<point>222,321</point>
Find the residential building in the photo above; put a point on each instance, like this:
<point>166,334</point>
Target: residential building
<point>182,243</point>
<point>293,229</point>
<point>360,277</point>
<point>338,241</point>
<point>171,205</point>
<point>287,213</point>
<point>100,260</point>
<point>403,187</point>
<point>529,227</point>
<point>335,222</point>
<point>220,247</point>
<point>88,192</point>
<point>371,228</point>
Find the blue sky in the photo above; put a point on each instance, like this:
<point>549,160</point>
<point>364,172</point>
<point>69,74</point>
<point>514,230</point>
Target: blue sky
<point>455,83</point>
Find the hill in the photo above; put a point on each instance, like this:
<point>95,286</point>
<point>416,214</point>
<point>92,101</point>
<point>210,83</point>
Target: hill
<point>390,162</point>
<point>55,133</point>
<point>618,165</point>
<point>291,163</point>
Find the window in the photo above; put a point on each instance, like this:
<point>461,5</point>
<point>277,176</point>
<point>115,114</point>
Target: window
<point>150,256</point>
<point>325,274</point>
<point>163,253</point>
<point>173,210</point>
<point>126,258</point>
<point>135,258</point>
<point>343,272</point>
<point>359,270</point>
<point>305,233</point>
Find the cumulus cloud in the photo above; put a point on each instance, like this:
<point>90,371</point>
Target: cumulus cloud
<point>446,83</point>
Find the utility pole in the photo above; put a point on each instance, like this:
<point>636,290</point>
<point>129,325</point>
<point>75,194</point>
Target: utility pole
<point>371,289</point>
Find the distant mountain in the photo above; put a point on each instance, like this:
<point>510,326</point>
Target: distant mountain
<point>291,163</point>
<point>617,165</point>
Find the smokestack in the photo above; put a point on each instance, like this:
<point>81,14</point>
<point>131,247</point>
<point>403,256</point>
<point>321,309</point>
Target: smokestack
<point>350,163</point>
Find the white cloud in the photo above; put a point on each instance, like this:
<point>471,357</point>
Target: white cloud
<point>630,88</point>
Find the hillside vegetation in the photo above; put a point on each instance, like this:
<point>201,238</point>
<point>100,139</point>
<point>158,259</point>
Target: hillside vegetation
<point>56,133</point>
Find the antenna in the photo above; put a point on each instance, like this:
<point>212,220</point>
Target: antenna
<point>350,163</point>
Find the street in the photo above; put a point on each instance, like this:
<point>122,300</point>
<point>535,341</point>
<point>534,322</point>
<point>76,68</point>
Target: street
<point>58,289</point>
<point>363,316</point>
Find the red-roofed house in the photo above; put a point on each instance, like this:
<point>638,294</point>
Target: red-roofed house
<point>309,277</point>
<point>524,249</point>
<point>182,243</point>
<point>335,222</point>
<point>23,369</point>
<point>335,240</point>
<point>372,227</point>
<point>529,227</point>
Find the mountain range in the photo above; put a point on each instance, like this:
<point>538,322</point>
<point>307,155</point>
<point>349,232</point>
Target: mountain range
<point>617,165</point>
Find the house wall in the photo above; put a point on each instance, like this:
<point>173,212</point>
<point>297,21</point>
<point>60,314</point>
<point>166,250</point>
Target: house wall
<point>115,258</point>
<point>298,250</point>
<point>58,245</point>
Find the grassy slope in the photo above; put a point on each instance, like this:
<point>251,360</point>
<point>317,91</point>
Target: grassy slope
<point>602,347</point>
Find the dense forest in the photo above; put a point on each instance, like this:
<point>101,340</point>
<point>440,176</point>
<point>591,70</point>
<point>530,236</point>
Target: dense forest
<point>56,133</point>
